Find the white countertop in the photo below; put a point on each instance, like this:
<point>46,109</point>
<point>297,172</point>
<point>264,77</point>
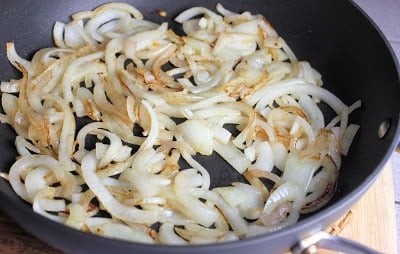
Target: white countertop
<point>386,14</point>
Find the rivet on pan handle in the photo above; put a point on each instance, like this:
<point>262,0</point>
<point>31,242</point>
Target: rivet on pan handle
<point>323,240</point>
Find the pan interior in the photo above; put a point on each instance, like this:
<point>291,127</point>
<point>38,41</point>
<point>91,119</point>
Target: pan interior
<point>333,36</point>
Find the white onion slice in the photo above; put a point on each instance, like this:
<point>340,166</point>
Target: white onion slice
<point>194,11</point>
<point>267,94</point>
<point>348,137</point>
<point>232,155</point>
<point>196,210</point>
<point>115,208</point>
<point>167,235</point>
<point>120,231</point>
<point>198,135</point>
<point>18,62</point>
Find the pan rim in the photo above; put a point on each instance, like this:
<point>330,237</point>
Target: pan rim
<point>349,199</point>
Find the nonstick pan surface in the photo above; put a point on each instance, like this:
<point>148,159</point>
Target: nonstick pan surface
<point>334,36</point>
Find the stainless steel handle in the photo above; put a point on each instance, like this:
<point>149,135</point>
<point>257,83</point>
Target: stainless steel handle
<point>323,240</point>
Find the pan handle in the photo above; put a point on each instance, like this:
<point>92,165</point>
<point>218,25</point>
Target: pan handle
<point>323,240</point>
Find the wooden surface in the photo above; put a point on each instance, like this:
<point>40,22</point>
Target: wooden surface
<point>371,221</point>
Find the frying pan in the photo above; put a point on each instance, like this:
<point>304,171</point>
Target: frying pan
<point>337,39</point>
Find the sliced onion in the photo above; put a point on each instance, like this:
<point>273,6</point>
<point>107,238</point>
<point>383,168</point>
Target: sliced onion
<point>232,214</point>
<point>118,118</point>
<point>120,231</point>
<point>77,216</point>
<point>17,61</point>
<point>285,192</point>
<point>322,187</point>
<point>167,235</point>
<point>58,34</point>
<point>72,37</point>
<point>348,137</point>
<point>192,12</point>
<point>312,110</point>
<point>300,169</point>
<point>265,158</point>
<point>232,155</point>
<point>198,135</point>
<point>154,128</point>
<point>115,208</point>
<point>35,181</point>
<point>194,208</point>
<point>39,201</point>
<point>293,86</point>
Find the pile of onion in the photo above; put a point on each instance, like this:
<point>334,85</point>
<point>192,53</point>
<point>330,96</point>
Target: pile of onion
<point>106,120</point>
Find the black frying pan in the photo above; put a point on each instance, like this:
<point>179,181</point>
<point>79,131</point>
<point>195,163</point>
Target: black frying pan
<point>334,36</point>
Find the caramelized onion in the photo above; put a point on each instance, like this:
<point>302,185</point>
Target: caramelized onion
<point>118,118</point>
